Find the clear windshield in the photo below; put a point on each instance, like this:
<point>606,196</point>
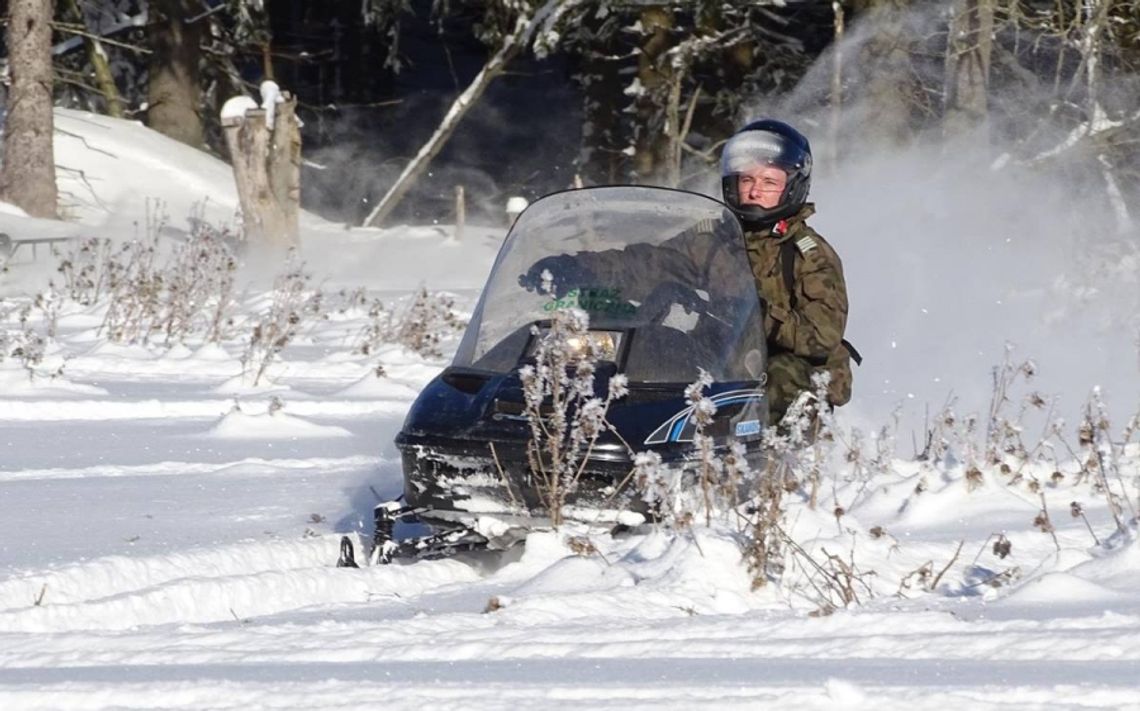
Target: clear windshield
<point>666,268</point>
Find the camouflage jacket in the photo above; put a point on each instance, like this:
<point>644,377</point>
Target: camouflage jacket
<point>809,320</point>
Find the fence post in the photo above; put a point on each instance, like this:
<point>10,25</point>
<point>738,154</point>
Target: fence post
<point>460,211</point>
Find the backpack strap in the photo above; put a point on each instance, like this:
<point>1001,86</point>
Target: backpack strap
<point>788,263</point>
<point>853,353</point>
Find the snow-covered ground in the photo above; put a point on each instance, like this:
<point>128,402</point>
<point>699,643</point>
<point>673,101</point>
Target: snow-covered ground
<point>168,530</point>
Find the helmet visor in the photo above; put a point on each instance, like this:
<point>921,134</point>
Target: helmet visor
<point>752,149</point>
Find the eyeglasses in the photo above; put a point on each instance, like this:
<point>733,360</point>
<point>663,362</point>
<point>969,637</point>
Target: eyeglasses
<point>766,184</point>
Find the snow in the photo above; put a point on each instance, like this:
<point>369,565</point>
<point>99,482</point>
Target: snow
<point>515,205</point>
<point>236,106</point>
<point>236,424</point>
<point>270,97</point>
<point>168,530</point>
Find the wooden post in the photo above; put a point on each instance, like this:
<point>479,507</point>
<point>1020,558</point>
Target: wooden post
<point>460,211</point>
<point>267,170</point>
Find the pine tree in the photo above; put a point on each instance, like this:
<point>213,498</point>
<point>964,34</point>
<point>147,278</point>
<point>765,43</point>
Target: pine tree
<point>174,91</point>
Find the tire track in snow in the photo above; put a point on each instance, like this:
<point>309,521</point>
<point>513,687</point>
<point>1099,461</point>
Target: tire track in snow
<point>244,467</point>
<point>119,574</point>
<point>104,410</point>
<point>239,581</point>
<point>625,623</point>
<point>665,677</point>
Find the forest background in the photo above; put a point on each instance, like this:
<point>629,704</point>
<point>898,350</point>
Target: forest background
<point>615,91</point>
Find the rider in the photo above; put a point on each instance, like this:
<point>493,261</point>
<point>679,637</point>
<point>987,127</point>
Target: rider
<point>765,178</point>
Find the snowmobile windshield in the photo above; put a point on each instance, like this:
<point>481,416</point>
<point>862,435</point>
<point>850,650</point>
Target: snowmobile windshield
<point>663,271</point>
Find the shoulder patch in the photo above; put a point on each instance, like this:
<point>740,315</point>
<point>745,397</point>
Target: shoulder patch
<point>806,244</point>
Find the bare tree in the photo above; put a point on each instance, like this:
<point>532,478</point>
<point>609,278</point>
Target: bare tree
<point>968,53</point>
<point>28,178</point>
<point>1092,107</point>
<point>655,76</point>
<point>1096,17</point>
<point>174,87</point>
<point>884,67</point>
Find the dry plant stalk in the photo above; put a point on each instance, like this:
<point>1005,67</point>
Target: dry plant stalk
<point>28,343</point>
<point>709,466</point>
<point>422,327</point>
<point>1045,524</point>
<point>1078,511</point>
<point>953,559</point>
<point>764,552</point>
<point>834,582</point>
<point>1097,439</point>
<point>1003,435</point>
<point>720,478</point>
<point>564,413</point>
<point>280,323</point>
<point>920,575</point>
<point>188,294</point>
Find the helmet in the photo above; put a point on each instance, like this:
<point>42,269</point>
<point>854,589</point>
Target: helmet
<point>766,142</point>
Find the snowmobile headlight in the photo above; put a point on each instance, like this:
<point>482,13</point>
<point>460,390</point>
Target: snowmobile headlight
<point>603,343</point>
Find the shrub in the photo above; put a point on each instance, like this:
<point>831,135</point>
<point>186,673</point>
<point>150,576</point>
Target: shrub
<point>422,327</point>
<point>279,324</point>
<point>565,415</point>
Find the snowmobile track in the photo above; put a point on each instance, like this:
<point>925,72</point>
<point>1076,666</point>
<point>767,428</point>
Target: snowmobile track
<point>242,581</point>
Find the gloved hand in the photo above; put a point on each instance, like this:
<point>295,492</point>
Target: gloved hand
<point>565,270</point>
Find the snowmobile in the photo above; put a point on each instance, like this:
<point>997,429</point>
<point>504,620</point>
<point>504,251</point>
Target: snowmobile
<point>665,280</point>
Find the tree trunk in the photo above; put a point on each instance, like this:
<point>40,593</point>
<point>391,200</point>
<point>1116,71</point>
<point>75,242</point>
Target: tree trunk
<point>267,170</point>
<point>28,178</point>
<point>1096,19</point>
<point>656,79</point>
<point>968,53</point>
<point>883,68</point>
<point>600,157</point>
<point>679,129</point>
<point>174,88</point>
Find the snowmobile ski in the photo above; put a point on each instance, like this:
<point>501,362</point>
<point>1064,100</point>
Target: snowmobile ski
<point>442,542</point>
